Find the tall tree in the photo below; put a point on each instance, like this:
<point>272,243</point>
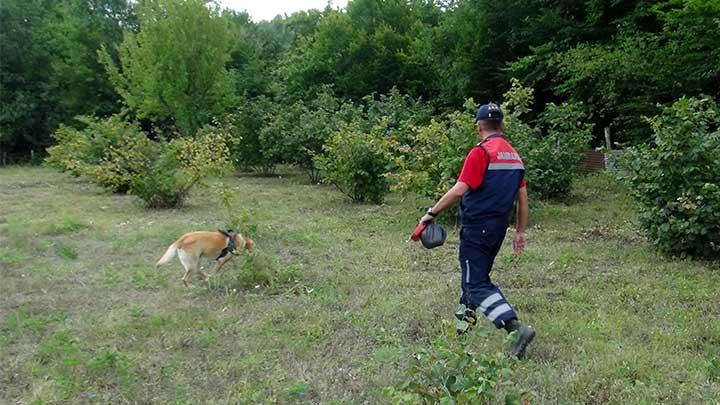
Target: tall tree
<point>49,71</point>
<point>370,48</point>
<point>77,29</point>
<point>627,76</point>
<point>174,68</point>
<point>27,107</point>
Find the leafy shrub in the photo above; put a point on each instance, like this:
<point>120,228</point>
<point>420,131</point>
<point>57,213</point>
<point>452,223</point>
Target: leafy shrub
<point>399,111</point>
<point>448,371</point>
<point>356,163</point>
<point>237,217</point>
<point>253,122</point>
<point>553,151</point>
<point>70,150</point>
<point>429,161</point>
<point>264,270</point>
<point>675,180</point>
<point>79,151</point>
<point>274,132</point>
<point>313,128</point>
<point>118,156</point>
<point>122,163</point>
<point>431,158</point>
<point>167,171</point>
<point>390,117</point>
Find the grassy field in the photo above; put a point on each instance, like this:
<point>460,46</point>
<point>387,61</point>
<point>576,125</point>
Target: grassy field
<point>333,304</point>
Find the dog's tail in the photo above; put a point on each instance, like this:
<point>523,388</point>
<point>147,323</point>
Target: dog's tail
<point>169,254</point>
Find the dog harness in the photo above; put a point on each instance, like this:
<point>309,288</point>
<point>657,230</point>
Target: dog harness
<point>230,248</point>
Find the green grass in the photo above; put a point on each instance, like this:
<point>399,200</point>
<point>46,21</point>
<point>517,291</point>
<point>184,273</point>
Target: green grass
<point>333,304</point>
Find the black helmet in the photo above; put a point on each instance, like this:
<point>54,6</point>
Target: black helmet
<point>433,236</point>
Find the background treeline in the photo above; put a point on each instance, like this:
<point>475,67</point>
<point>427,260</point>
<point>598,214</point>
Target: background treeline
<point>150,97</point>
<point>620,58</point>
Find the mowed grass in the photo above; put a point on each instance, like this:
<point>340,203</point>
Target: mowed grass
<point>333,303</point>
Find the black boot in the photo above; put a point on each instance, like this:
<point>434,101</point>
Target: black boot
<point>511,325</point>
<point>525,335</point>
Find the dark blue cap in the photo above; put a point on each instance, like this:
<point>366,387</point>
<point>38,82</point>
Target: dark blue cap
<point>490,111</point>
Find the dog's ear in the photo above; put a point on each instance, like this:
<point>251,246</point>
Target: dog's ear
<point>249,245</point>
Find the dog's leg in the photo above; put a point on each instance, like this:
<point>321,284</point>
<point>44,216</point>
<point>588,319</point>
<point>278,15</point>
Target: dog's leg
<point>203,277</point>
<point>189,263</point>
<point>185,278</point>
<point>220,263</point>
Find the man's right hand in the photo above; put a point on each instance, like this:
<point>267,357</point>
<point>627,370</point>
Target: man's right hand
<point>427,218</point>
<point>519,243</point>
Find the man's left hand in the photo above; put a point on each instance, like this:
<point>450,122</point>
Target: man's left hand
<point>427,218</point>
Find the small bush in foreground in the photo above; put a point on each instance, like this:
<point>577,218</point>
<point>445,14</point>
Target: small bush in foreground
<point>263,270</point>
<point>675,180</point>
<point>448,372</point>
<point>236,216</point>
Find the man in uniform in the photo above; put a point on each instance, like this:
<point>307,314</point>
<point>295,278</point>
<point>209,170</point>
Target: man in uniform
<point>491,180</point>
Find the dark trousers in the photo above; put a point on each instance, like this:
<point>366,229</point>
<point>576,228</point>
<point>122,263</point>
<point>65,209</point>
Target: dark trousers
<point>478,247</point>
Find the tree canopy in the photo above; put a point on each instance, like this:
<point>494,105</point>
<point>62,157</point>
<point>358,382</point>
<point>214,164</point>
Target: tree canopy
<point>174,67</point>
<point>180,63</point>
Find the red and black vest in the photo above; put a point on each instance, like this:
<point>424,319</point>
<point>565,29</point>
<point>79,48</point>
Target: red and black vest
<point>491,202</point>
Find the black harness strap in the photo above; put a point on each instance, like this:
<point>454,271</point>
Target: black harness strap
<point>230,248</point>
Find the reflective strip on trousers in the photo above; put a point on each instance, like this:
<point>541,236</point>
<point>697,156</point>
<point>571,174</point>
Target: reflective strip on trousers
<point>501,309</point>
<point>487,302</point>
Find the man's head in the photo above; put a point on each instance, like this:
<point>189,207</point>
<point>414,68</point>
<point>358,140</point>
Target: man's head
<point>489,120</point>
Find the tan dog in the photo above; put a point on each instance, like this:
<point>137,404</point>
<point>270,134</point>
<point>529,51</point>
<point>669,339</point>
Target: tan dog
<point>220,245</point>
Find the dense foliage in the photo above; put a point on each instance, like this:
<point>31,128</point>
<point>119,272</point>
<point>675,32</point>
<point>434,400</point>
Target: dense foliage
<point>174,68</point>
<point>369,98</point>
<point>675,179</point>
<point>178,63</point>
<point>118,156</point>
<point>49,71</point>
<point>355,163</point>
<point>97,150</point>
<point>552,150</point>
<point>430,160</point>
<point>450,371</point>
